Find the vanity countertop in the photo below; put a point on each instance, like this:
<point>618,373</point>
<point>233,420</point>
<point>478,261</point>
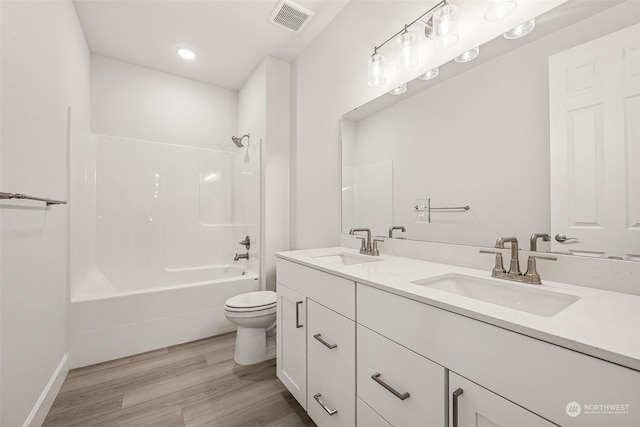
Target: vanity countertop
<point>601,323</point>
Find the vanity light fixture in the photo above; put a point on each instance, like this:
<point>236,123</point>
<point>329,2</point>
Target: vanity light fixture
<point>441,26</point>
<point>445,26</point>
<point>407,49</point>
<point>498,9</point>
<point>431,74</point>
<point>186,53</point>
<point>469,55</point>
<point>399,90</point>
<point>376,77</point>
<point>520,30</point>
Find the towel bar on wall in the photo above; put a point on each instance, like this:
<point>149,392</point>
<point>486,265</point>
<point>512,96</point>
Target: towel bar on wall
<point>48,201</point>
<point>428,208</point>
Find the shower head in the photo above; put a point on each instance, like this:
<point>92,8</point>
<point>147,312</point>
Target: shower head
<point>238,141</point>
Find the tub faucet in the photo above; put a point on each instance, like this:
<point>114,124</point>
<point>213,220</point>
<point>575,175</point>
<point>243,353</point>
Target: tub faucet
<point>238,257</point>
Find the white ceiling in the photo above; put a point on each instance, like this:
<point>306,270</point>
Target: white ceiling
<point>230,37</point>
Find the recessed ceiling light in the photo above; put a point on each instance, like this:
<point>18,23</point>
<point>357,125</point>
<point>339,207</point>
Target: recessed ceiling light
<point>469,55</point>
<point>520,30</point>
<point>186,53</point>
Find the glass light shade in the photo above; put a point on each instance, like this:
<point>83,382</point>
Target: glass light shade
<point>498,9</point>
<point>376,76</point>
<point>469,55</point>
<point>445,26</point>
<point>520,30</point>
<point>399,90</point>
<point>431,74</point>
<point>407,50</point>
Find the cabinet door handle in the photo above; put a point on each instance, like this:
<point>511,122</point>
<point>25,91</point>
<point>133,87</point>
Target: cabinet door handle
<point>455,396</point>
<point>401,396</point>
<point>298,325</point>
<point>329,411</point>
<point>319,338</point>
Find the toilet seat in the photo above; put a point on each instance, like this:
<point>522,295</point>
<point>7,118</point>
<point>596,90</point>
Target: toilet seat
<point>252,302</point>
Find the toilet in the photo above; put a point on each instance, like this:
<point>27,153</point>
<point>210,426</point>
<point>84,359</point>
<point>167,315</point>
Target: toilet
<point>255,315</point>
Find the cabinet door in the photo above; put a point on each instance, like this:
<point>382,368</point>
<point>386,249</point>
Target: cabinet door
<point>292,343</point>
<point>472,405</point>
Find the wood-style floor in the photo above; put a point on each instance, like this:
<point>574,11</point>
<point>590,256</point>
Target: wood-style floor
<point>192,384</point>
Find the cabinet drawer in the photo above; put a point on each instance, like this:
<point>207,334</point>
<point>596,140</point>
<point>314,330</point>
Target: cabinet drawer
<point>331,291</point>
<point>367,417</point>
<point>336,393</point>
<point>418,382</point>
<point>338,352</point>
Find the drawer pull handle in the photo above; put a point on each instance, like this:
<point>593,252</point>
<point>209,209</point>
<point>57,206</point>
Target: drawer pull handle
<point>298,325</point>
<point>319,338</point>
<point>455,394</point>
<point>329,411</point>
<point>401,396</point>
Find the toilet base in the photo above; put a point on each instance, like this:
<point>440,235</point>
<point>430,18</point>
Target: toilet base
<point>254,345</point>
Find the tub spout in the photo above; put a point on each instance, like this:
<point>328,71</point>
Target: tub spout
<point>238,257</point>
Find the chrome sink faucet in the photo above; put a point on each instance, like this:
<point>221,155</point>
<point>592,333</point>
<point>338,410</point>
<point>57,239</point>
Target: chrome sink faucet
<point>514,265</point>
<point>514,273</point>
<point>396,227</point>
<point>533,241</point>
<point>367,247</point>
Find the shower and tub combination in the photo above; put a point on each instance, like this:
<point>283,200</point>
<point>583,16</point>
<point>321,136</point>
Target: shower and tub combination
<point>155,229</point>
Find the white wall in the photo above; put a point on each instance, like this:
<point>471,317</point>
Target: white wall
<point>264,111</point>
<point>139,103</point>
<point>45,69</point>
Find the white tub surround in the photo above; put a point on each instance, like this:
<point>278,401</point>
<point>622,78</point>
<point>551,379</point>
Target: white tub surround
<point>588,353</point>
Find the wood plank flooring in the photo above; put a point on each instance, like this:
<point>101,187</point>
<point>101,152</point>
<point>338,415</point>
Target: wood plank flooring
<point>192,384</point>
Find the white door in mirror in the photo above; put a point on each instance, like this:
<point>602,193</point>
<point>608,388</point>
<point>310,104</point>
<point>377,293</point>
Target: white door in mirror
<point>594,99</point>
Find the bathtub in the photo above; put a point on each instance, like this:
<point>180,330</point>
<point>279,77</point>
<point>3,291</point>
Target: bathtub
<point>108,319</point>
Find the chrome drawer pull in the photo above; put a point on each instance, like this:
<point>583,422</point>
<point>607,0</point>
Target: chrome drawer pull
<point>330,346</point>
<point>329,411</point>
<point>401,396</point>
<point>298,325</point>
<point>455,394</point>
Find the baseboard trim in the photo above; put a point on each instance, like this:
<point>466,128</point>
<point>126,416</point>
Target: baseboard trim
<point>43,405</point>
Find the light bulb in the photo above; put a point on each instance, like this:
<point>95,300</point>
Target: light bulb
<point>498,9</point>
<point>431,74</point>
<point>399,90</point>
<point>186,53</point>
<point>376,76</point>
<point>445,26</point>
<point>520,30</point>
<point>469,55</point>
<point>407,49</point>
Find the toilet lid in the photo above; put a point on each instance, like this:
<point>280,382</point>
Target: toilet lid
<point>252,300</point>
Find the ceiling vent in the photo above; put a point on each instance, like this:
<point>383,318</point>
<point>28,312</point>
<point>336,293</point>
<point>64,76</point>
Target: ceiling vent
<point>290,16</point>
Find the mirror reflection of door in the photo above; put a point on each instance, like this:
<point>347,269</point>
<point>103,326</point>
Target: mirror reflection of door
<point>594,94</point>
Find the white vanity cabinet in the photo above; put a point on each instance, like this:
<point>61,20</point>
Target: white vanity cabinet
<point>536,379</point>
<point>325,324</point>
<point>473,406</point>
<point>292,342</point>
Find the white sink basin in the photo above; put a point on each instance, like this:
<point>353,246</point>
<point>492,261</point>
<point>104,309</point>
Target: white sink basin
<point>343,258</point>
<point>525,298</point>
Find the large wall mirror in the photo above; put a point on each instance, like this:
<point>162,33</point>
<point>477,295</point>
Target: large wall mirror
<point>534,136</point>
